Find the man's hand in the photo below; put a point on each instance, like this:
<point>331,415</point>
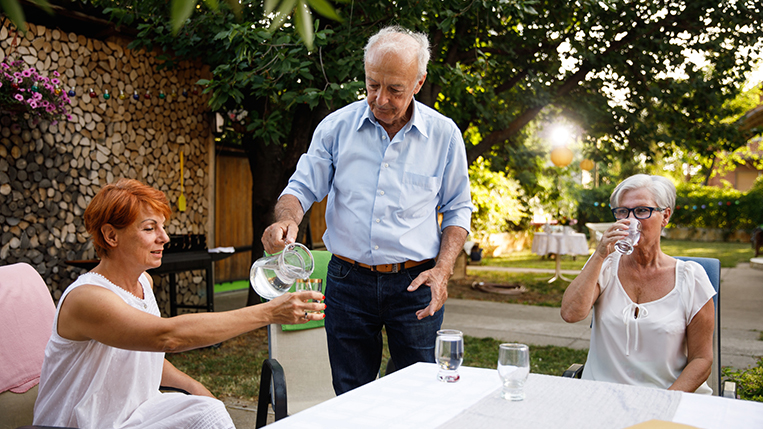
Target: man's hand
<point>437,280</point>
<point>288,214</point>
<point>278,235</point>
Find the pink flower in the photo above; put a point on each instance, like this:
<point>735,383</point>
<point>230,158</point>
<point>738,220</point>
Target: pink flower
<point>32,104</point>
<point>56,74</point>
<point>26,73</point>
<point>19,97</point>
<point>55,81</point>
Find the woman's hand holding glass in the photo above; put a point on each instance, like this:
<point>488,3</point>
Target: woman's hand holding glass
<point>295,308</point>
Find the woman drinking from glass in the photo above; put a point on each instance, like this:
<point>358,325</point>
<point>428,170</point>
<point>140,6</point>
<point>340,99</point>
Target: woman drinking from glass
<point>653,315</point>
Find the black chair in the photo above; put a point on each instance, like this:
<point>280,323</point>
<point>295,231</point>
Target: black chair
<point>727,389</point>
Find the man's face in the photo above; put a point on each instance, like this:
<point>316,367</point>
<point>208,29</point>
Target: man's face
<point>391,83</point>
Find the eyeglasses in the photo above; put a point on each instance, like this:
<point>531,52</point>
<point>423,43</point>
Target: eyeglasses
<point>639,212</point>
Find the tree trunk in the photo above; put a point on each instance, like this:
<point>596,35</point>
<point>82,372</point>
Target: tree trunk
<point>271,166</point>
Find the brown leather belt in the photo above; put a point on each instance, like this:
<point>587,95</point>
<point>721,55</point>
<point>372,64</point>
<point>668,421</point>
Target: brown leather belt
<point>386,268</point>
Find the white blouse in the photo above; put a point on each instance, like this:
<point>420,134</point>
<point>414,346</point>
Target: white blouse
<point>87,384</point>
<point>644,344</point>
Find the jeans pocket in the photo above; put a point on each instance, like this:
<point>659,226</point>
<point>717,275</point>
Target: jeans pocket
<point>338,270</point>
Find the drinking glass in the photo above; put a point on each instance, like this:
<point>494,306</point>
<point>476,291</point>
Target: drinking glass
<point>625,246</point>
<point>310,284</point>
<point>449,353</point>
<point>513,368</point>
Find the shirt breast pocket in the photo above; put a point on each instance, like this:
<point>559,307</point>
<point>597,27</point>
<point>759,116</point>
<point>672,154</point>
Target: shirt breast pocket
<point>418,196</point>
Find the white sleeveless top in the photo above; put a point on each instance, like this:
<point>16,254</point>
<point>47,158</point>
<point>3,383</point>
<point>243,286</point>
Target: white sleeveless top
<point>648,350</point>
<point>87,384</point>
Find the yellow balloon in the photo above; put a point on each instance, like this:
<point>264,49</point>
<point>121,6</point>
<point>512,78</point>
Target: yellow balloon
<point>586,165</point>
<point>561,156</point>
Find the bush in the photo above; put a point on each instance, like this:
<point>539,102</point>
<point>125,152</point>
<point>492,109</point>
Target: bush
<point>709,207</point>
<point>593,205</point>
<point>749,382</point>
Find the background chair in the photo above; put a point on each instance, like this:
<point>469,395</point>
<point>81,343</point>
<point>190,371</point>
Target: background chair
<point>712,267</point>
<point>297,354</point>
<point>26,319</point>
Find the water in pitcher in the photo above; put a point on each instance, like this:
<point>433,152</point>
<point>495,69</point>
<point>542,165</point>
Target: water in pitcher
<point>272,276</point>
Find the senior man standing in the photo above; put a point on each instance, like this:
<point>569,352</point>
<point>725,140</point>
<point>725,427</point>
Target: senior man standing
<point>388,164</point>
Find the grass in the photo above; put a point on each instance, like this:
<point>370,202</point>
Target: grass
<point>231,370</point>
<point>538,290</point>
<point>730,254</point>
<point>229,286</point>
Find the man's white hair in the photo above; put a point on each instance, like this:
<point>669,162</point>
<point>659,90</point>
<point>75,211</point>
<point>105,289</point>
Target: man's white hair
<point>389,39</point>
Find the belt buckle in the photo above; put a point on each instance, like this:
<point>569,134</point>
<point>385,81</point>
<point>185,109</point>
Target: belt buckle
<point>395,268</point>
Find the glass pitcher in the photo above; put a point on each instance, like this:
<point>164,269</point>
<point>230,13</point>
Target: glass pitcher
<point>272,276</point>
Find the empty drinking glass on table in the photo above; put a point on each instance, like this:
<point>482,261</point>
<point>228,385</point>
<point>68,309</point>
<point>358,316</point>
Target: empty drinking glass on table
<point>513,368</point>
<point>449,353</point>
<point>625,246</point>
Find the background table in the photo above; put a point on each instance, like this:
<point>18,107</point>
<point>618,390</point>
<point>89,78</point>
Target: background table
<point>413,398</point>
<point>559,243</point>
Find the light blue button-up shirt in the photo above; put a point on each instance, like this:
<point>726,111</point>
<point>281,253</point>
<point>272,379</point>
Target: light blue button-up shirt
<point>383,196</point>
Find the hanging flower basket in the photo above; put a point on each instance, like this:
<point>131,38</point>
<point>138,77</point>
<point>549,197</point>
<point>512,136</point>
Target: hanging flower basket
<point>24,91</point>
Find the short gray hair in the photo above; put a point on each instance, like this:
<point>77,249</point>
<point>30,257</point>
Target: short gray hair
<point>383,41</point>
<point>662,189</point>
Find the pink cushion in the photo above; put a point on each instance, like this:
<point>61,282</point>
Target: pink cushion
<point>26,320</point>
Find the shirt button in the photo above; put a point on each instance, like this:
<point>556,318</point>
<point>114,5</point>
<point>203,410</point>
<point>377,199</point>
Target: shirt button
<point>384,137</point>
<point>378,220</point>
<point>376,247</point>
<point>381,192</point>
<point>386,165</point>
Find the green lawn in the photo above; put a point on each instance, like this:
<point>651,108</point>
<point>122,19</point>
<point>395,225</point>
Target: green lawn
<point>730,254</point>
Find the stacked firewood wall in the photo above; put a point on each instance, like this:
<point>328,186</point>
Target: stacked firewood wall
<point>49,173</point>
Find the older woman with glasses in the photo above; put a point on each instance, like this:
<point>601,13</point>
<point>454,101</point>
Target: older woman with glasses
<point>653,315</point>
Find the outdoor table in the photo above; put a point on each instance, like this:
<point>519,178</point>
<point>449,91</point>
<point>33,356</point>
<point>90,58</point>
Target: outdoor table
<point>558,243</point>
<point>413,398</point>
<point>173,263</point>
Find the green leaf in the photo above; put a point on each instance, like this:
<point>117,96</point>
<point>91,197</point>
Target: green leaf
<point>44,5</point>
<point>283,12</point>
<point>324,8</point>
<point>181,11</point>
<point>13,9</point>
<point>270,6</point>
<point>304,24</point>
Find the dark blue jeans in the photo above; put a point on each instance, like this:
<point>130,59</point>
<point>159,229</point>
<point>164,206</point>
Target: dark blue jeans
<point>359,302</point>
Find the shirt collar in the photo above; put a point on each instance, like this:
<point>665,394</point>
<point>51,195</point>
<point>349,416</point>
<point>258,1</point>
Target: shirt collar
<point>415,121</point>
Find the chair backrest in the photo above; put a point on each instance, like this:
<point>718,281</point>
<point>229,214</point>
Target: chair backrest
<point>26,319</point>
<point>712,267</point>
<point>302,351</point>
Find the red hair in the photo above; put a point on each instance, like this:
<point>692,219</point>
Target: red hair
<point>119,204</point>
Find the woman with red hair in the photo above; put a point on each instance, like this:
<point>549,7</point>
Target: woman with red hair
<point>104,361</point>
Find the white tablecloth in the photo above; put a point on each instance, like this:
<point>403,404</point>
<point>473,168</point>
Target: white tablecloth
<point>573,243</point>
<point>556,402</point>
<point>413,398</point>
